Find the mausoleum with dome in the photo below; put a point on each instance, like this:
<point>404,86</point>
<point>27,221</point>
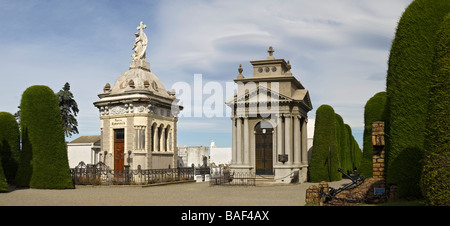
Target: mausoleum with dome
<point>138,117</point>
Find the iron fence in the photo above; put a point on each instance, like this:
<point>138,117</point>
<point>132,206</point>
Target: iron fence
<point>101,174</point>
<point>233,179</point>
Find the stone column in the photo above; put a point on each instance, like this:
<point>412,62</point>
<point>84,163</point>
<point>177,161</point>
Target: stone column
<point>234,139</point>
<point>239,142</point>
<point>155,138</point>
<point>246,142</point>
<point>304,142</point>
<point>288,150</point>
<point>280,144</point>
<point>297,140</point>
<point>163,140</point>
<point>378,150</point>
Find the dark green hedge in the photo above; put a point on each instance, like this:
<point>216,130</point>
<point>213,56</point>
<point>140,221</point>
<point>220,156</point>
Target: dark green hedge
<point>342,138</point>
<point>408,80</point>
<point>25,169</point>
<point>9,133</point>
<point>41,119</point>
<point>324,140</point>
<point>436,171</point>
<point>3,183</point>
<point>374,110</point>
<point>339,123</point>
<point>354,155</point>
<point>4,146</point>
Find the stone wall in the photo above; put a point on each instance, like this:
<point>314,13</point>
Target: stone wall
<point>363,192</point>
<point>378,150</point>
<point>370,190</point>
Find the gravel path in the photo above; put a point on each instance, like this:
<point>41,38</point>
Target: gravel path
<point>188,194</point>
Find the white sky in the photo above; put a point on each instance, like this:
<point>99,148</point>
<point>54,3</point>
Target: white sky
<point>338,50</point>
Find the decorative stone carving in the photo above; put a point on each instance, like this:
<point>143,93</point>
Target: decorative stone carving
<point>107,88</point>
<point>104,110</point>
<point>131,84</point>
<point>150,108</point>
<point>116,110</point>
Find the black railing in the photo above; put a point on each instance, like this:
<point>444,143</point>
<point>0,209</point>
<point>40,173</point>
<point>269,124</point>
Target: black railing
<point>233,179</point>
<point>100,174</point>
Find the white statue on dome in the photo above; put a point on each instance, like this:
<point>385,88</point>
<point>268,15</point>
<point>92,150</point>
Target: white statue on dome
<point>140,43</point>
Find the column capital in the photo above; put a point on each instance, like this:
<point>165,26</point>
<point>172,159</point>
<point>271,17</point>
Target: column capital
<point>287,115</point>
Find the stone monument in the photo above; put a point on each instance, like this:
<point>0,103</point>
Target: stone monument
<point>138,117</point>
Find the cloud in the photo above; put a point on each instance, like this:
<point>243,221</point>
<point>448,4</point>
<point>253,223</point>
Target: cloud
<point>338,49</point>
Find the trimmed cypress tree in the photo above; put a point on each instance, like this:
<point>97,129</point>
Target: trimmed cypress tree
<point>41,119</point>
<point>375,110</point>
<point>352,155</point>
<point>408,80</point>
<point>3,182</point>
<point>436,171</point>
<point>356,154</point>
<point>25,169</point>
<point>325,148</point>
<point>9,133</point>
<point>341,137</point>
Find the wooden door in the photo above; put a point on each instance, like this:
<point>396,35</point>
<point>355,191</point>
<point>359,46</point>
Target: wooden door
<point>119,151</point>
<point>263,150</point>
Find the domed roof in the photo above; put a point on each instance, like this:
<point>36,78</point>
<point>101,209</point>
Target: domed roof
<point>139,77</point>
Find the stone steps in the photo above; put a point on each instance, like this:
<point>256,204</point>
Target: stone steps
<point>265,178</point>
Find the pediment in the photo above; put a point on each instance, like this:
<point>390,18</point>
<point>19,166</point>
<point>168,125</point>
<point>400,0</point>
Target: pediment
<point>262,94</point>
<point>258,94</point>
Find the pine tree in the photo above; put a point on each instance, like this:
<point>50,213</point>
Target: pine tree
<point>69,110</point>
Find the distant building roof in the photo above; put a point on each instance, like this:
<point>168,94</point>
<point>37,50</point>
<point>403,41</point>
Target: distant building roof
<point>86,139</point>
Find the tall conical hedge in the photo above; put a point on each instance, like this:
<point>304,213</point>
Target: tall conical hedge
<point>40,118</point>
<point>353,156</point>
<point>436,171</point>
<point>374,110</point>
<point>9,133</point>
<point>25,169</point>
<point>3,183</point>
<point>408,81</point>
<point>343,137</point>
<point>324,142</point>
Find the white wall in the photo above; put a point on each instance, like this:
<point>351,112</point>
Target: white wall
<point>78,153</point>
<point>220,155</point>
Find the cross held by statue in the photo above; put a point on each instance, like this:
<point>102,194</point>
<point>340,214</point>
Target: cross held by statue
<point>141,26</point>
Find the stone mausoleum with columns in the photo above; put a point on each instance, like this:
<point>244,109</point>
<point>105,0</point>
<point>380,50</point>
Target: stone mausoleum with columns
<point>269,122</point>
<point>138,117</point>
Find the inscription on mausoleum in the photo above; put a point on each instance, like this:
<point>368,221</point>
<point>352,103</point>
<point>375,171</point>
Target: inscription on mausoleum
<point>118,122</point>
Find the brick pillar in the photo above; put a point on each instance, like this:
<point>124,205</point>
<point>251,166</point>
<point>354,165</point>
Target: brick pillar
<point>378,156</point>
